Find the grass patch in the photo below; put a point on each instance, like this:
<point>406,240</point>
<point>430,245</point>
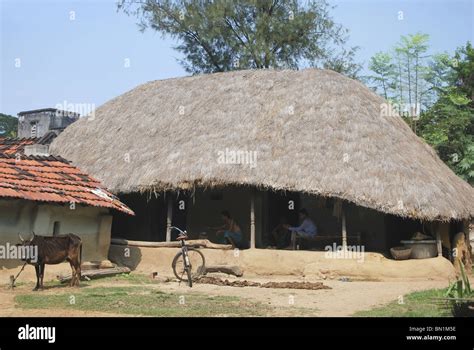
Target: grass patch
<point>132,278</point>
<point>416,304</point>
<point>135,300</point>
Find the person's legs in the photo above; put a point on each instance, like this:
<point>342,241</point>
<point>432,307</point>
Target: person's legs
<point>300,234</point>
<point>235,236</point>
<point>221,239</point>
<point>304,234</point>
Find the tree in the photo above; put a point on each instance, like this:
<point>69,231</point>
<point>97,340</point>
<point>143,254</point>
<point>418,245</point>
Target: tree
<point>463,65</point>
<point>440,73</point>
<point>402,76</point>
<point>449,124</point>
<point>222,35</point>
<point>385,73</point>
<point>8,125</point>
<point>411,53</point>
<point>442,87</point>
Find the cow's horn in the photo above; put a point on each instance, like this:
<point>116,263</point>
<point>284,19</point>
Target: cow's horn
<point>21,238</point>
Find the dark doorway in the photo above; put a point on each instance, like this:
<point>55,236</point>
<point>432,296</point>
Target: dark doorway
<point>151,212</point>
<point>149,222</point>
<point>280,205</point>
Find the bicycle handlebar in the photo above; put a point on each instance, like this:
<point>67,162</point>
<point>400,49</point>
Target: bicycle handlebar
<point>178,229</point>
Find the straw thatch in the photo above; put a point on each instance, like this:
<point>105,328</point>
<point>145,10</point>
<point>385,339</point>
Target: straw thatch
<point>314,131</point>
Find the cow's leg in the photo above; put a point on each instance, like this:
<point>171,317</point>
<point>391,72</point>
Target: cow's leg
<point>78,272</point>
<point>73,274</point>
<point>42,275</point>
<point>37,270</point>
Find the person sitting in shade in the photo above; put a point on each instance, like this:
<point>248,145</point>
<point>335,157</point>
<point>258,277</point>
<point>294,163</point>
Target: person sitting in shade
<point>307,228</point>
<point>230,232</point>
<point>279,234</point>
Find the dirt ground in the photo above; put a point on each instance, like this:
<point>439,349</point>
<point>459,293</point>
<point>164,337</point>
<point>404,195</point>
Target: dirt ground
<point>353,286</point>
<point>343,299</point>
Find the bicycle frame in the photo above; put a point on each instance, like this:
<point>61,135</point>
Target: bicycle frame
<point>184,247</point>
<point>184,254</point>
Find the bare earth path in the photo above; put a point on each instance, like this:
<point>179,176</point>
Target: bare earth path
<point>343,299</point>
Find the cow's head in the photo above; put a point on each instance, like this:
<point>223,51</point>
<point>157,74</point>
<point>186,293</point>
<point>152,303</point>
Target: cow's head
<point>26,241</point>
<point>28,253</point>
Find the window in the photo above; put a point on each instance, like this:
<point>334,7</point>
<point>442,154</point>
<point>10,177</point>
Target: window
<point>56,228</point>
<point>34,127</point>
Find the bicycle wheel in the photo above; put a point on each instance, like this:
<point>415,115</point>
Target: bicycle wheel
<point>196,265</point>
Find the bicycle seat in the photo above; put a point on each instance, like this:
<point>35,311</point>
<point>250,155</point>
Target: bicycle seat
<point>181,237</point>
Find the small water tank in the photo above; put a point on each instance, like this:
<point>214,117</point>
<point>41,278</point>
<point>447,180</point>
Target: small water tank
<point>422,249</point>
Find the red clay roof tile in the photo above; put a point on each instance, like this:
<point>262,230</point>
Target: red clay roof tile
<point>12,146</point>
<point>51,179</point>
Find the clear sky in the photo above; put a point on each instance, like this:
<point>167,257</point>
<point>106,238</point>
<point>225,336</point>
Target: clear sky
<point>85,52</point>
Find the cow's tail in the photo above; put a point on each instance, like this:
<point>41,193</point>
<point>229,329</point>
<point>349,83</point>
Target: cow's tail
<point>79,275</point>
<point>80,254</point>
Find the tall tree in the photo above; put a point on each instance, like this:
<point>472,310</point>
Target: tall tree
<point>222,35</point>
<point>443,85</point>
<point>463,65</point>
<point>385,74</point>
<point>402,76</point>
<point>411,51</point>
<point>449,124</point>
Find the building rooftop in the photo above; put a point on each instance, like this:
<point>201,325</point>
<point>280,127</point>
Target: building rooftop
<point>12,146</point>
<point>52,110</point>
<point>52,179</point>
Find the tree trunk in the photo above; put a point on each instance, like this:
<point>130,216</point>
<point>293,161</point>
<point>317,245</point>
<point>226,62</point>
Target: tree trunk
<point>205,243</point>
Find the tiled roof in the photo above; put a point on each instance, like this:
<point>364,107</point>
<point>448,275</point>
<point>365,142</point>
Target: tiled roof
<point>52,179</point>
<point>13,146</point>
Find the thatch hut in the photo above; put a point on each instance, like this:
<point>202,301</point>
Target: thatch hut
<point>262,143</point>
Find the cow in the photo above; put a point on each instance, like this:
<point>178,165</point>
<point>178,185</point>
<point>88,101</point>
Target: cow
<point>55,250</point>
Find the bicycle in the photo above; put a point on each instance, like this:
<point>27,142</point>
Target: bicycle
<point>189,260</point>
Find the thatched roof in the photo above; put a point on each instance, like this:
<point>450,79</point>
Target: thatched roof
<point>314,131</point>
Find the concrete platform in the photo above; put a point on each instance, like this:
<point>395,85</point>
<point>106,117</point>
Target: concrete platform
<point>308,264</point>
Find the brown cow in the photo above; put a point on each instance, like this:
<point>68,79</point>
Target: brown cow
<point>55,250</point>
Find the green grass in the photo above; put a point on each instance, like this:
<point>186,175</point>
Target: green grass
<point>135,300</point>
<point>132,278</point>
<point>417,304</point>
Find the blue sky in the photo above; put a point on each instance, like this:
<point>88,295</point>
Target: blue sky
<point>83,61</point>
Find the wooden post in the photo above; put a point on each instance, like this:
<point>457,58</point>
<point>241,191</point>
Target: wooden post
<point>344,230</point>
<point>252,220</point>
<point>169,219</point>
<point>467,236</point>
<point>439,241</point>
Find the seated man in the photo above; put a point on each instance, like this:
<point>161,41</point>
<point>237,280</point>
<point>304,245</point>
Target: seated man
<point>230,231</point>
<point>307,228</point>
<point>280,233</point>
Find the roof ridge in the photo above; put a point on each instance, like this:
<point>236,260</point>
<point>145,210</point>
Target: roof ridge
<point>20,138</point>
<point>37,158</point>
